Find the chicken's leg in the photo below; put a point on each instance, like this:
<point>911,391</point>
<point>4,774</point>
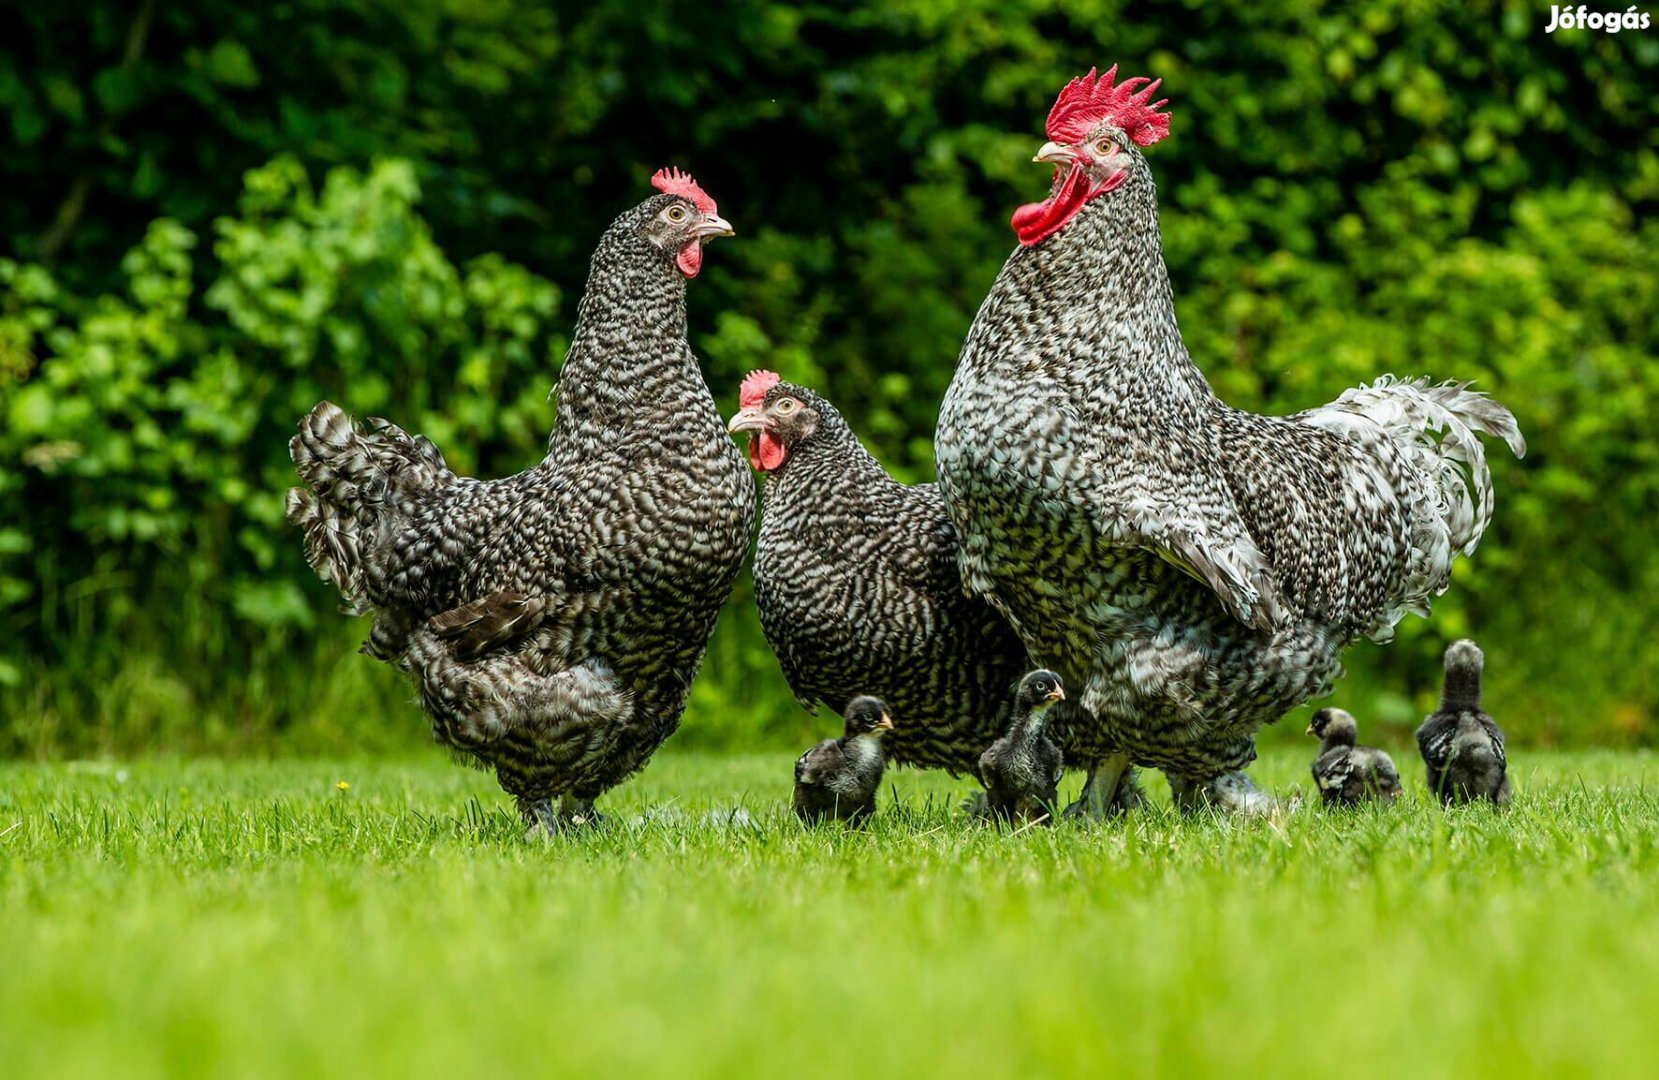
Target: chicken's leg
<point>1232,792</point>
<point>545,821</point>
<point>1110,790</point>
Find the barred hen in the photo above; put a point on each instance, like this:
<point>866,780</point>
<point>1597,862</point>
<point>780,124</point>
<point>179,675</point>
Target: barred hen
<point>857,586</point>
<point>1349,774</point>
<point>553,620</point>
<point>1462,747</point>
<point>838,778</point>
<point>1192,570</point>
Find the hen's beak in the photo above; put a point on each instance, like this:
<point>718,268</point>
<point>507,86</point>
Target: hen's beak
<point>1053,153</point>
<point>885,723</point>
<point>1057,694</point>
<point>713,225</point>
<point>751,419</point>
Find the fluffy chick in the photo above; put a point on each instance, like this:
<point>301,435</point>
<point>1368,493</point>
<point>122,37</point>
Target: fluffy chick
<point>838,778</point>
<point>1348,774</point>
<point>1462,747</point>
<point>1021,771</point>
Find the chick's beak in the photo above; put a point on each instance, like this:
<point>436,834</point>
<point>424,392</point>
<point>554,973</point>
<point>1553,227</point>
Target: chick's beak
<point>1310,730</point>
<point>750,419</point>
<point>885,723</point>
<point>713,225</point>
<point>1056,694</point>
<point>1053,153</point>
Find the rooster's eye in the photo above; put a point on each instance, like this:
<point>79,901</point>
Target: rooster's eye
<point>788,405</point>
<point>1103,147</point>
<point>676,214</point>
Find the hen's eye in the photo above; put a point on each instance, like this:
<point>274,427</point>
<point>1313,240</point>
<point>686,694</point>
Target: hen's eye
<point>788,405</point>
<point>1103,147</point>
<point>676,214</point>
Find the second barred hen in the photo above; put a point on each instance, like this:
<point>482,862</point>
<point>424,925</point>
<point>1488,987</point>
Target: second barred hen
<point>857,585</point>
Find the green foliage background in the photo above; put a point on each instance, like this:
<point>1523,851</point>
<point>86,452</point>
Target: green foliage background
<point>217,213</point>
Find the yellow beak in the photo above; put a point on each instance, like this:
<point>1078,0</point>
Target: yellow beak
<point>1053,153</point>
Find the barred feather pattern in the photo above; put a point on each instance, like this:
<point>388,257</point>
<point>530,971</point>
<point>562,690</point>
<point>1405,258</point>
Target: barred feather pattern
<point>1193,568</point>
<point>553,620</point>
<point>858,591</point>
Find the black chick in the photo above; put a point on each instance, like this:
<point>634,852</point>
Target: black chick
<point>1348,774</point>
<point>1462,746</point>
<point>1021,771</point>
<point>838,778</point>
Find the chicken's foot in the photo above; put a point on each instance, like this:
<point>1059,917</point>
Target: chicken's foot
<point>1110,790</point>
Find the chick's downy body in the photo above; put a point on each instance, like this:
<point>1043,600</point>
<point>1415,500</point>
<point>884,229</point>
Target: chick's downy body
<point>839,778</point>
<point>1463,747</point>
<point>1346,773</point>
<point>1021,771</point>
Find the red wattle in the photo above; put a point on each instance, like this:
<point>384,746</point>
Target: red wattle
<point>765,452</point>
<point>690,258</point>
<point>1035,222</point>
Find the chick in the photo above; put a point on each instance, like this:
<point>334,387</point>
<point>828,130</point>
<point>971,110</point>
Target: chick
<point>1463,747</point>
<point>838,778</point>
<point>1021,771</point>
<point>1347,774</point>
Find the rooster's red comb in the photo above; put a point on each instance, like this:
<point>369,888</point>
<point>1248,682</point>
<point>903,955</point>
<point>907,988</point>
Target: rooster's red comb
<point>755,385</point>
<point>675,182</point>
<point>1087,101</point>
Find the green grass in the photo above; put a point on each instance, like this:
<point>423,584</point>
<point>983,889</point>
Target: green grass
<point>252,918</point>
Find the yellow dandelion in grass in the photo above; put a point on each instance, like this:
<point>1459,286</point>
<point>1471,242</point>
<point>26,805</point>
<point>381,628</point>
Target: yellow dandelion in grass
<point>343,785</point>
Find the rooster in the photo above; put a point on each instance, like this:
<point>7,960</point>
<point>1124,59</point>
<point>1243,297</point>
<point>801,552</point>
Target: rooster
<point>857,586</point>
<point>553,620</point>
<point>1193,569</point>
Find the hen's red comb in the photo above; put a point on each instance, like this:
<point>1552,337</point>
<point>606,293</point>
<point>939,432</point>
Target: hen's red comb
<point>755,385</point>
<point>675,182</point>
<point>1087,101</point>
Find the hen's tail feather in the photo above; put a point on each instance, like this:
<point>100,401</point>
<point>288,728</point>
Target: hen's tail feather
<point>1461,692</point>
<point>1433,434</point>
<point>485,625</point>
<point>353,481</point>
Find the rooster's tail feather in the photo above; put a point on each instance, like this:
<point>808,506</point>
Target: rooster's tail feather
<point>353,481</point>
<point>1434,433</point>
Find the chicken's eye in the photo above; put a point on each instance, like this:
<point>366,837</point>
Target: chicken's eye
<point>1103,147</point>
<point>788,405</point>
<point>676,214</point>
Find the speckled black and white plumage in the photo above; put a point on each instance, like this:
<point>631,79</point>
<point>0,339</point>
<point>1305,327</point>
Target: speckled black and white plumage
<point>858,590</point>
<point>1021,770</point>
<point>1346,773</point>
<point>1191,570</point>
<point>553,620</point>
<point>838,778</point>
<point>1462,747</point>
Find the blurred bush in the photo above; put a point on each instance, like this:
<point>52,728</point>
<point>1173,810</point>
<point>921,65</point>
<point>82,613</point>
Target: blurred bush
<point>219,213</point>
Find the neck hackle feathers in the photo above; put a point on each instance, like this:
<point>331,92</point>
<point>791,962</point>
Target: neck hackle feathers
<point>673,181</point>
<point>753,389</point>
<point>1088,100</point>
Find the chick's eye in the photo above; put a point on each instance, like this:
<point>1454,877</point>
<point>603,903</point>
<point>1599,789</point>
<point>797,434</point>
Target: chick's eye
<point>676,214</point>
